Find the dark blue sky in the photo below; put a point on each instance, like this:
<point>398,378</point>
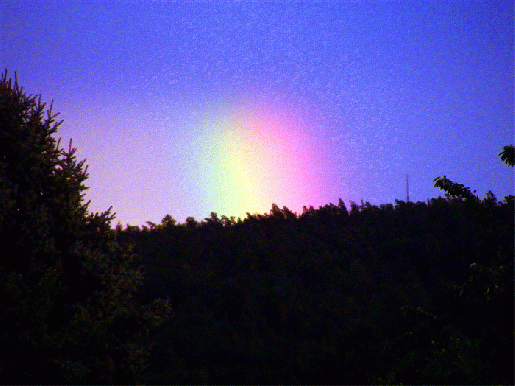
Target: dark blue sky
<point>380,88</point>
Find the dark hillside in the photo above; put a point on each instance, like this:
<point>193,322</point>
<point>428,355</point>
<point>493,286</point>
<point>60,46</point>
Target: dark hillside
<point>411,293</point>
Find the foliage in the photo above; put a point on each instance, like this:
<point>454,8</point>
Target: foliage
<point>453,189</point>
<point>66,285</point>
<point>508,155</point>
<point>408,293</point>
<point>412,293</point>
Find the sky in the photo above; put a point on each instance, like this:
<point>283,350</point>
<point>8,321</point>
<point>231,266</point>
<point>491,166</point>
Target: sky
<point>187,108</point>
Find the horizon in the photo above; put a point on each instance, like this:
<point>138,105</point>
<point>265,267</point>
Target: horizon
<point>187,108</point>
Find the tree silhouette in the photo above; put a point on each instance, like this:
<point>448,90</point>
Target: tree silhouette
<point>508,155</point>
<point>66,286</point>
<point>455,190</point>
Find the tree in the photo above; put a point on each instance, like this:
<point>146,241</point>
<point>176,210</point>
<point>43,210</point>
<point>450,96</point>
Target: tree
<point>168,221</point>
<point>456,190</point>
<point>508,155</point>
<point>66,285</point>
<point>483,300</point>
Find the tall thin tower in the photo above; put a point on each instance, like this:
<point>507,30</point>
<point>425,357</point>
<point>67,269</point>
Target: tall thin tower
<point>407,188</point>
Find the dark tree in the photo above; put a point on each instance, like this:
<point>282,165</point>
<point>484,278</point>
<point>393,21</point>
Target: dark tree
<point>454,190</point>
<point>508,155</point>
<point>67,312</point>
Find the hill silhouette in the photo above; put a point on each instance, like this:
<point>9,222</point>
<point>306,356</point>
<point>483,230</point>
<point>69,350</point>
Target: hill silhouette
<point>406,293</point>
<point>413,293</point>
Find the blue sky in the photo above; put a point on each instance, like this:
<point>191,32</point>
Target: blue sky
<point>382,88</point>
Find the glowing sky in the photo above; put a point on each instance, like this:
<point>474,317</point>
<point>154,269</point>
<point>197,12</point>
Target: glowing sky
<point>252,155</point>
<point>185,108</point>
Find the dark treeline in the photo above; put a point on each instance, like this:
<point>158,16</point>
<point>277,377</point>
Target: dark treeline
<point>411,293</point>
<point>405,293</point>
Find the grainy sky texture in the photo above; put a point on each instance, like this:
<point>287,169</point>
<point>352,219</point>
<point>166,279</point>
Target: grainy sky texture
<point>185,108</point>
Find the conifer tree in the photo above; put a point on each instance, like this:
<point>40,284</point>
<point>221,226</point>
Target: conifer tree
<point>67,311</point>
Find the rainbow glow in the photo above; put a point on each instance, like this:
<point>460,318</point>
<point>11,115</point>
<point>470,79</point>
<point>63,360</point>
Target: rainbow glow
<point>252,155</point>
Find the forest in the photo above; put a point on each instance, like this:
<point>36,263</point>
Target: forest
<point>412,293</point>
<point>404,293</point>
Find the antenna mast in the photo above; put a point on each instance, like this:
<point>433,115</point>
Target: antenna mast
<point>407,188</point>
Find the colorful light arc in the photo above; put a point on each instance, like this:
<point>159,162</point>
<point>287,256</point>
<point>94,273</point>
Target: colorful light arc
<point>253,156</point>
